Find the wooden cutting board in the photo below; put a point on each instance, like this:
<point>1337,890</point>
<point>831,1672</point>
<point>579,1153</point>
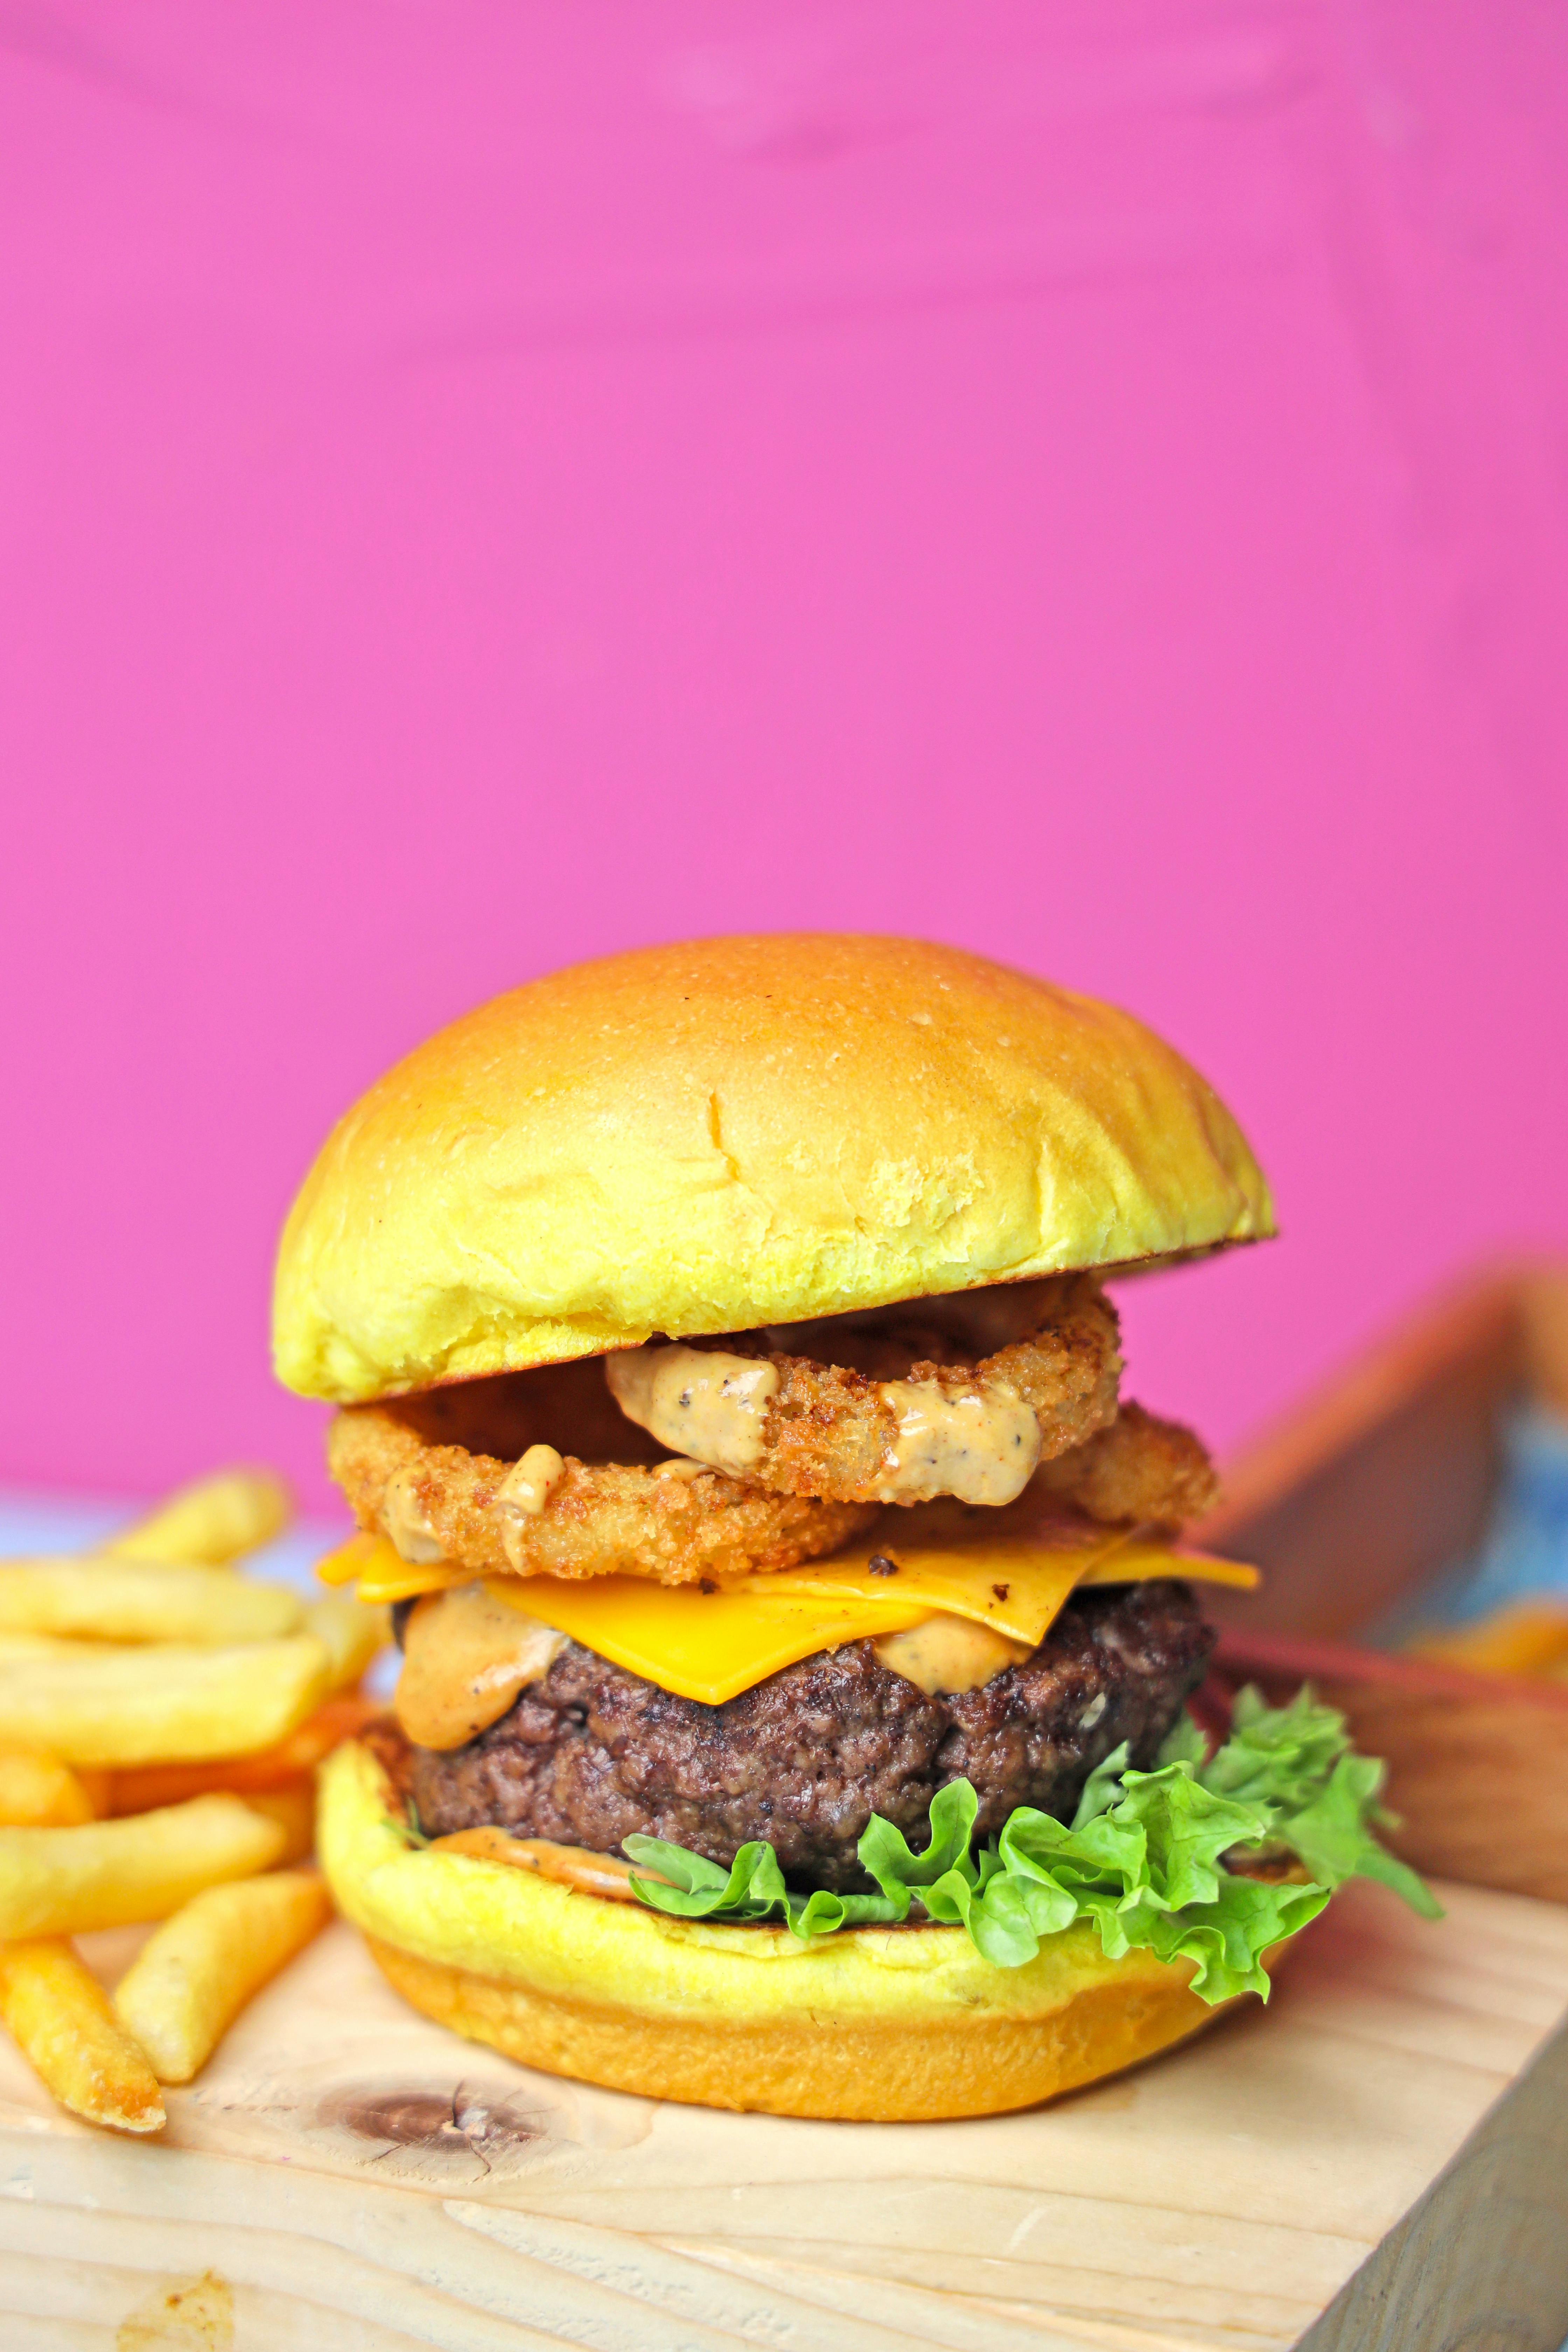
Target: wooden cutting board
<point>346,2177</point>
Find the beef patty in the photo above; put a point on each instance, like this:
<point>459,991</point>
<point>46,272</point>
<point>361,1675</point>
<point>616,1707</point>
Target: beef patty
<point>591,1753</point>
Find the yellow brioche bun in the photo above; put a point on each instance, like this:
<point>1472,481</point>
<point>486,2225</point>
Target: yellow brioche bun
<point>889,2025</point>
<point>741,1131</point>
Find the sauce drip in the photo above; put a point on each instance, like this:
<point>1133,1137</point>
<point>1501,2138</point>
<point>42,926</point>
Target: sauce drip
<point>948,1654</point>
<point>709,1407</point>
<point>522,1495</point>
<point>528,1484</point>
<point>983,1448</point>
<point>407,1523</point>
<point>466,1655</point>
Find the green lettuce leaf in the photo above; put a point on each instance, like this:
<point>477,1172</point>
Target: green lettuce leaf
<point>1154,1861</point>
<point>693,1887</point>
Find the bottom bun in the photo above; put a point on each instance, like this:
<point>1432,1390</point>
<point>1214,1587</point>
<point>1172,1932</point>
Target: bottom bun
<point>886,2025</point>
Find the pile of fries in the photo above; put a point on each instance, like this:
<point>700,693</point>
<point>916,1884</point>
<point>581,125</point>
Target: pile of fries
<point>161,1719</point>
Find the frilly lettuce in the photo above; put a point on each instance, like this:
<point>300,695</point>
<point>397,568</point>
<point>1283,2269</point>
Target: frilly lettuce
<point>1157,1860</point>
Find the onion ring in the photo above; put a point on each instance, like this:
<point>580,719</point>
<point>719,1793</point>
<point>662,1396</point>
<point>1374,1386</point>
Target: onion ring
<point>852,1435</point>
<point>674,1522</point>
<point>1154,1471</point>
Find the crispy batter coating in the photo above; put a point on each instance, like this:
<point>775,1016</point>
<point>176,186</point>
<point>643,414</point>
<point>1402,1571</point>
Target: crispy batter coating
<point>600,1517</point>
<point>830,1429</point>
<point>431,1471</point>
<point>1141,1467</point>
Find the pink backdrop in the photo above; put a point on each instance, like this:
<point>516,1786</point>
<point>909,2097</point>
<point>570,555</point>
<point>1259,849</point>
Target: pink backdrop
<point>486,485</point>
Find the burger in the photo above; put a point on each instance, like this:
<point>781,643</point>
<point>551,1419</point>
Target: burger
<point>796,1640</point>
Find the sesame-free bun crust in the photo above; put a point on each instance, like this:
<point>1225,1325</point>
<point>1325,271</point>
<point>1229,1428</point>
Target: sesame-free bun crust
<point>890,2025</point>
<point>739,1132</point>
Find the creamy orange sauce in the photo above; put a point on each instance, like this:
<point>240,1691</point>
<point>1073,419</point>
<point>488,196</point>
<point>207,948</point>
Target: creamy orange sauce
<point>948,1654</point>
<point>522,1495</point>
<point>709,1407</point>
<point>466,1655</point>
<point>528,1484</point>
<point>569,1865</point>
<point>983,1448</point>
<point>407,1523</point>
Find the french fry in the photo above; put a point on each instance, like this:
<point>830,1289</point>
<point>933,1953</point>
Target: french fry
<point>39,1792</point>
<point>59,2017</point>
<point>1530,1638</point>
<point>141,1601</point>
<point>210,1521</point>
<point>138,1791</point>
<point>197,1972</point>
<point>350,1633</point>
<point>293,1808</point>
<point>157,1702</point>
<point>112,1874</point>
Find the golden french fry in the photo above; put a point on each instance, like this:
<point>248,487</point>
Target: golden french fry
<point>350,1633</point>
<point>293,1808</point>
<point>211,1521</point>
<point>138,1791</point>
<point>112,1874</point>
<point>39,1792</point>
<point>156,1702</point>
<point>141,1601</point>
<point>1528,1638</point>
<point>197,1972</point>
<point>59,2017</point>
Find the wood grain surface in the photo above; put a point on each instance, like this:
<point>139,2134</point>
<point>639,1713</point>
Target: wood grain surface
<point>1480,2260</point>
<point>346,2175</point>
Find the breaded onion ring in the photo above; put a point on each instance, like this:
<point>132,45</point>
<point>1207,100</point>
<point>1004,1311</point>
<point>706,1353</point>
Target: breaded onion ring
<point>897,1431</point>
<point>1142,1468</point>
<point>558,1516</point>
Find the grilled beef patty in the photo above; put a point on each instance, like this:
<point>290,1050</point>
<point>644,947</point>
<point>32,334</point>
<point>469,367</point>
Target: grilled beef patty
<point>591,1753</point>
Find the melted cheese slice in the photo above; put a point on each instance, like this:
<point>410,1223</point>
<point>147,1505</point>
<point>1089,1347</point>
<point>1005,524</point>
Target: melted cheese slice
<point>380,1574</point>
<point>712,1644</point>
<point>1014,1584</point>
<point>706,1645</point>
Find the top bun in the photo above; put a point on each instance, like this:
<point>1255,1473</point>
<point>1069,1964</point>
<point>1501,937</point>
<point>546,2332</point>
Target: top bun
<point>740,1131</point>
